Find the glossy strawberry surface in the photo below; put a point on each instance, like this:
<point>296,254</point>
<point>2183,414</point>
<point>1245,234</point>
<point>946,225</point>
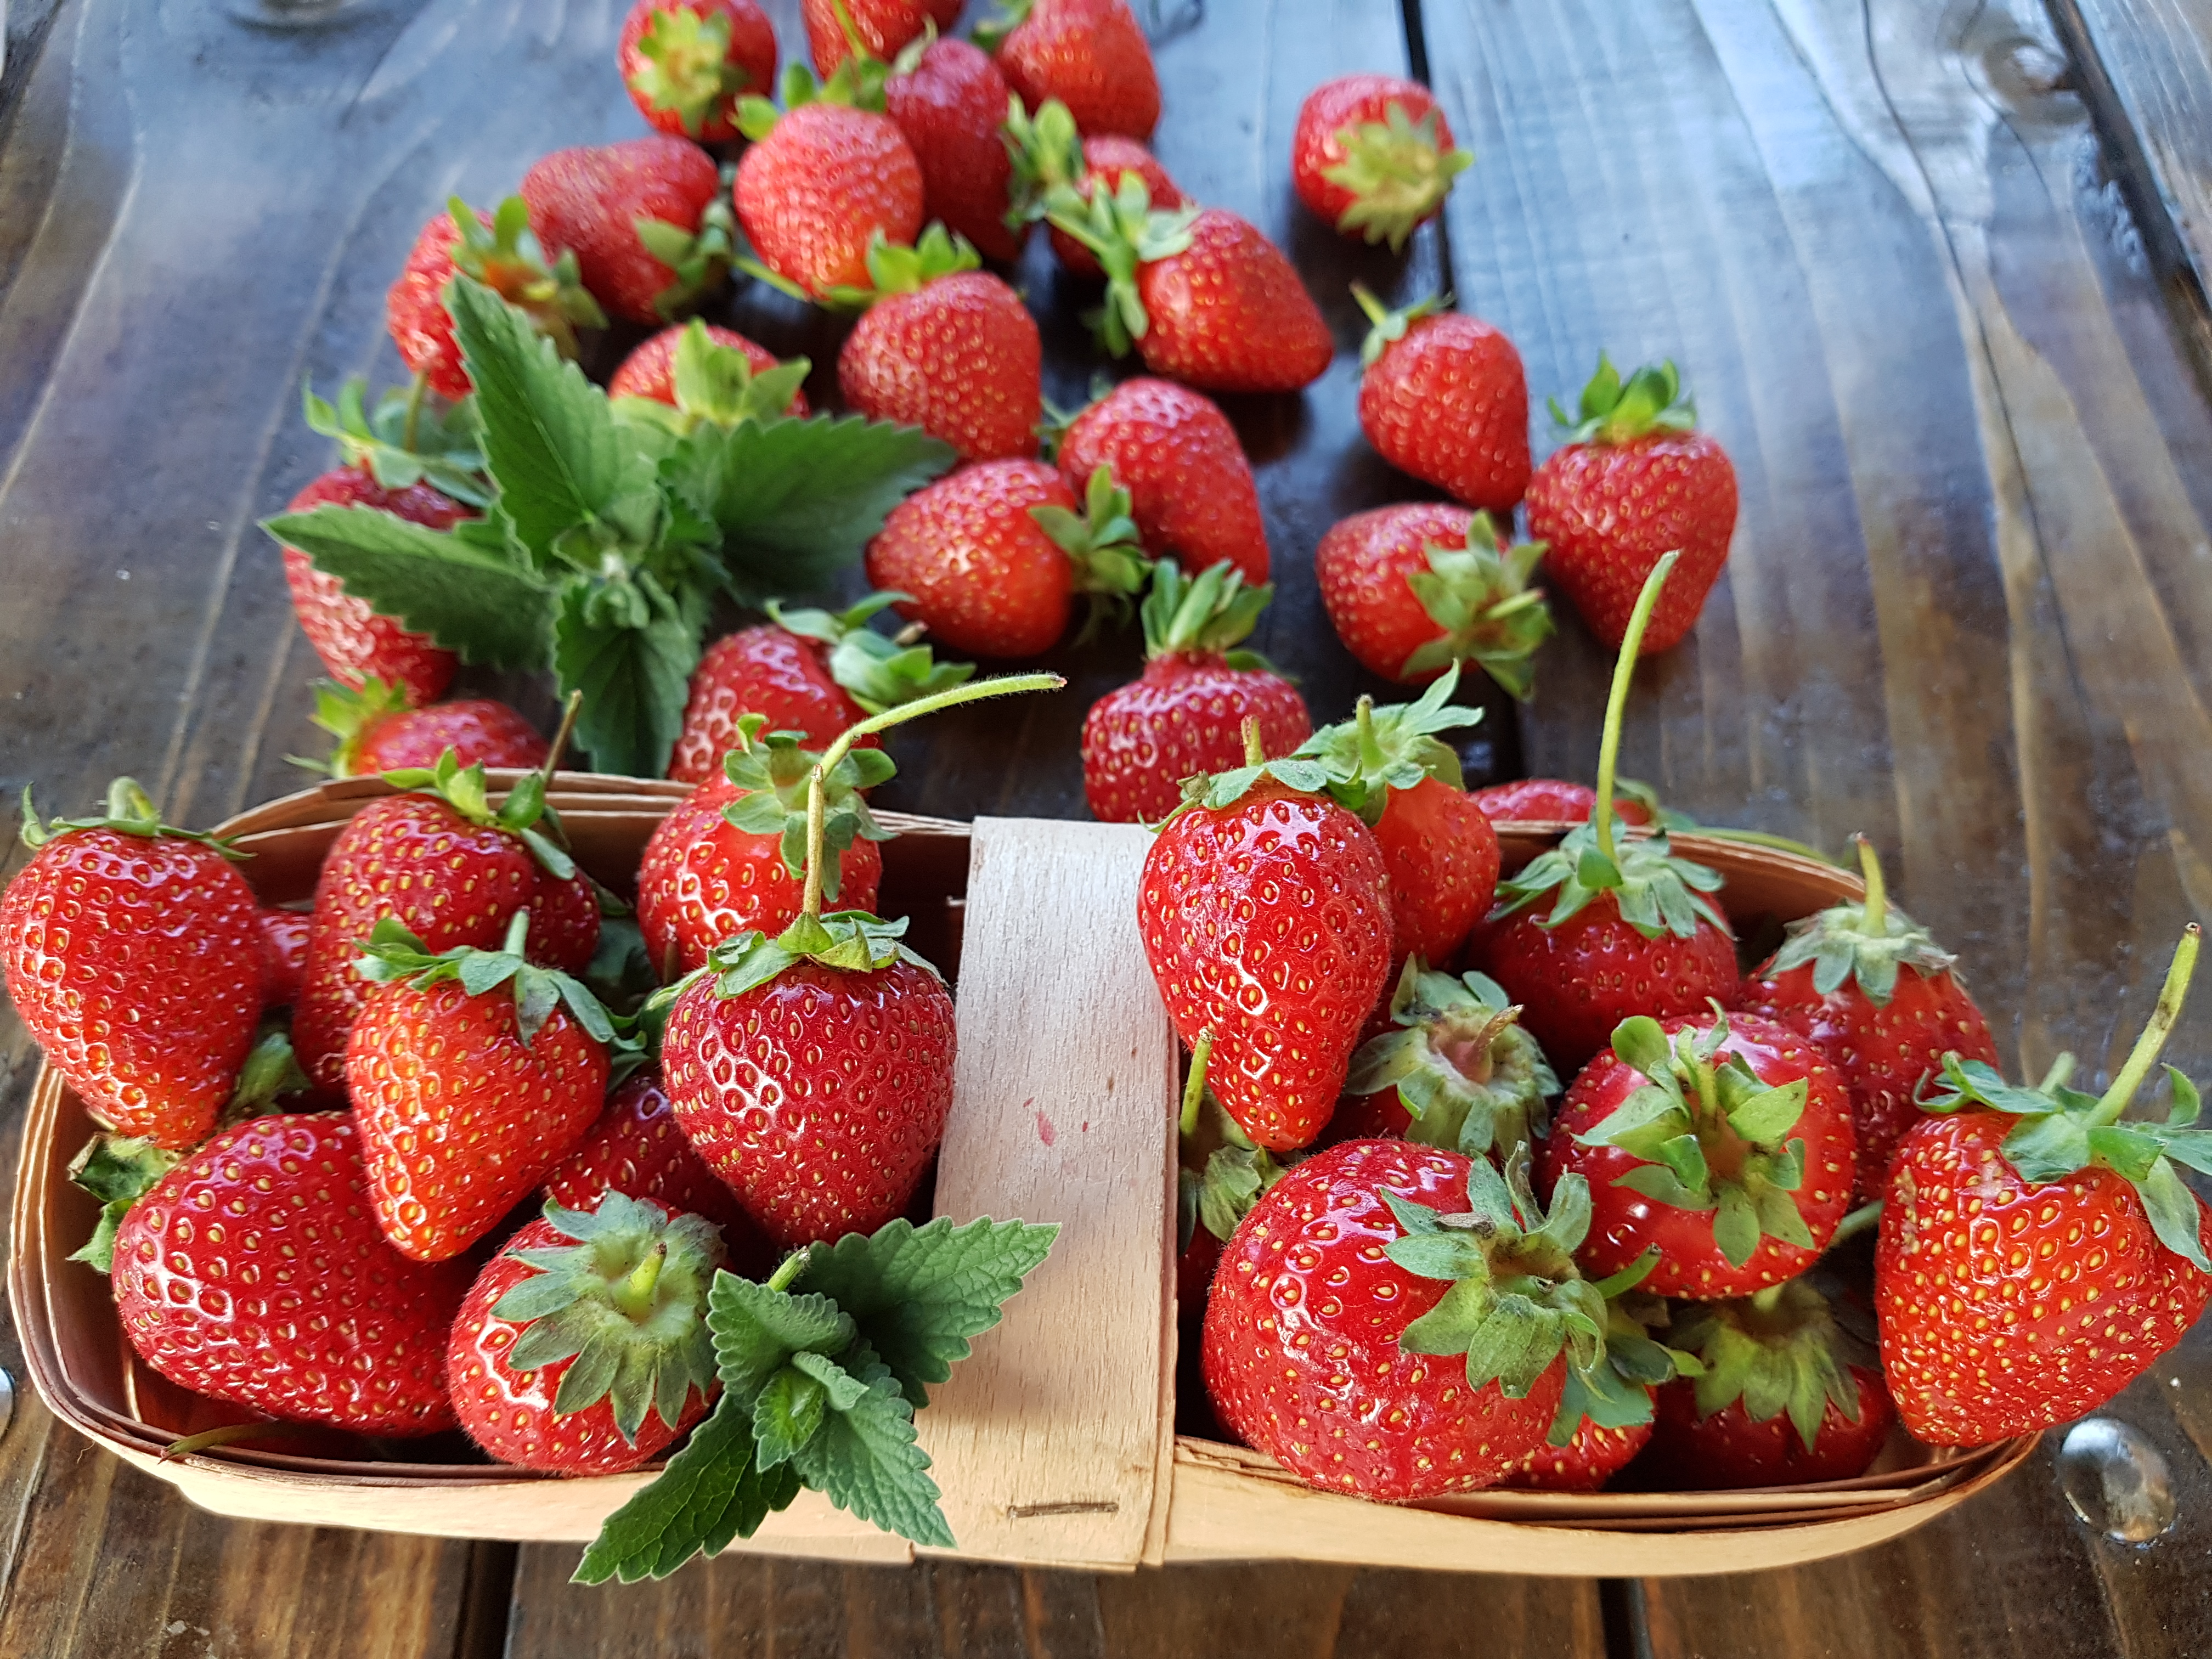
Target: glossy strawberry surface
<point>477,729</point>
<point>1183,716</point>
<point>984,575</point>
<point>1191,490</point>
<point>1592,1456</point>
<point>694,98</point>
<point>638,1149</point>
<point>1549,800</point>
<point>649,370</point>
<point>284,959</point>
<point>951,108</point>
<point>1448,404</point>
<point>959,357</point>
<point>352,639</point>
<point>1729,1450</point>
<point>1092,56</point>
<point>764,670</point>
<point>884,26</point>
<point>1229,313</point>
<point>1362,564</point>
<point>812,192</point>
<point>587,201</point>
<point>1442,857</point>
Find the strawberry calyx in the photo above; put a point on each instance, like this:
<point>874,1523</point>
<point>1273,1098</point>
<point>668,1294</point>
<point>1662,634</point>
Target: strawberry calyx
<point>464,790</point>
<point>1205,614</point>
<point>271,1070</point>
<point>1102,540</point>
<point>350,715</point>
<point>1223,1172</point>
<point>409,439</point>
<point>508,259</point>
<point>1397,171</point>
<point>688,71</point>
<point>877,671</point>
<point>716,384</point>
<point>853,940</point>
<point>1614,411</point>
<point>393,955</point>
<point>1866,942</point>
<point>627,1301</point>
<point>2059,1131</point>
<point>1712,1135</point>
<point>1378,750</point>
<point>774,771</point>
<point>1617,1394</point>
<point>1468,1074</point>
<point>1389,326</point>
<point>1479,594</point>
<point>118,1170</point>
<point>1047,153</point>
<point>698,260</point>
<point>1123,230</point>
<point>856,83</point>
<point>131,811</point>
<point>991,32</point>
<point>1789,1349</point>
<point>897,268</point>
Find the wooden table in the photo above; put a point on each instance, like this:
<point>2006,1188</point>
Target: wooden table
<point>1969,612</point>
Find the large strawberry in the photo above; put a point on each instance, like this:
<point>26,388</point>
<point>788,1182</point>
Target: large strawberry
<point>949,100</point>
<point>1551,800</point>
<point>1265,909</point>
<point>2037,1253</point>
<point>133,954</point>
<point>644,218</point>
<point>1634,480</point>
<point>472,1074</point>
<point>637,1150</point>
<point>1203,295</point>
<point>1412,590</point>
<point>1456,1069</point>
<point>582,1347</point>
<point>1186,716</point>
<point>1048,151</point>
<point>993,556</point>
<point>1089,54</point>
<point>821,181</point>
<point>1191,490</point>
<point>379,730</point>
<point>1442,397</point>
<point>947,348</point>
<point>1397,1321</point>
<point>502,254</point>
<point>883,29</point>
<point>1873,989</point>
<point>1374,156</point>
<point>709,373</point>
<point>687,63</point>
<point>253,1272</point>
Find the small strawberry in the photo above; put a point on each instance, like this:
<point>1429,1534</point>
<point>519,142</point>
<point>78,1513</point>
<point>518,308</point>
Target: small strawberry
<point>884,28</point>
<point>1190,488</point>
<point>1374,1338</point>
<point>687,62</point>
<point>2037,1253</point>
<point>1605,1416</point>
<point>1442,397</point>
<point>1838,979</point>
<point>1374,156</point>
<point>949,100</point>
<point>1046,150</point>
<point>582,1348</point>
<point>1456,1072</point>
<point>637,1150</point>
<point>502,254</point>
<point>379,730</point>
<point>822,181</point>
<point>1202,293</point>
<point>1089,54</point>
<point>644,217</point>
<point>1592,1455</point>
<point>253,1272</point>
<point>947,348</point>
<point>410,437</point>
<point>1410,590</point>
<point>1635,480</point>
<point>133,953</point>
<point>710,373</point>
<point>1186,716</point>
<point>1551,800</point>
<point>994,555</point>
<point>284,955</point>
<point>467,1100</point>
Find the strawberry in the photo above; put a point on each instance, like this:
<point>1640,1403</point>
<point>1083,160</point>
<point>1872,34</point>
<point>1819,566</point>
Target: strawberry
<point>467,1100</point>
<point>1634,480</point>
<point>636,1149</point>
<point>1456,1072</point>
<point>1204,296</point>
<point>949,100</point>
<point>687,63</point>
<point>502,254</point>
<point>946,348</point>
<point>1187,716</point>
<point>1550,801</point>
<point>1836,980</point>
<point>452,870</point>
<point>1341,1309</point>
<point>1046,150</point>
<point>284,955</point>
<point>1265,913</point>
<point>1592,1456</point>
<point>645,219</point>
<point>1190,488</point>
<point>379,731</point>
<point>2036,1254</point>
<point>733,856</point>
<point>1410,590</point>
<point>133,953</point>
<point>253,1272</point>
<point>1442,397</point>
<point>1374,156</point>
<point>582,1348</point>
<point>1723,1141</point>
<point>720,369</point>
<point>1089,54</point>
<point>995,555</point>
<point>1441,852</point>
<point>820,182</point>
<point>884,28</point>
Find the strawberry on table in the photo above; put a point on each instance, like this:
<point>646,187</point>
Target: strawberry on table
<point>884,28</point>
<point>705,373</point>
<point>1048,151</point>
<point>134,955</point>
<point>636,1149</point>
<point>379,730</point>
<point>644,219</point>
<point>1191,490</point>
<point>1551,800</point>
<point>1089,54</point>
<point>1635,480</point>
<point>821,180</point>
<point>1457,1071</point>
<point>687,63</point>
<point>1374,156</point>
<point>1442,397</point>
<point>502,254</point>
<point>949,100</point>
<point>1186,716</point>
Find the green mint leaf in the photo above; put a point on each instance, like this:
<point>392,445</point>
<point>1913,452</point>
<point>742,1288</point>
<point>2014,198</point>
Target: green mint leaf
<point>711,1492</point>
<point>865,1461</point>
<point>629,648</point>
<point>756,1331</point>
<point>786,1414</point>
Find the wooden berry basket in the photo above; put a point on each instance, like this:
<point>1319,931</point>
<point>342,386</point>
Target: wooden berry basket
<point>1055,1442</point>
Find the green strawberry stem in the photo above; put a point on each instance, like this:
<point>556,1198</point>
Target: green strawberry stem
<point>1255,749</point>
<point>634,1296</point>
<point>208,1439</point>
<point>1370,750</point>
<point>1877,894</point>
<point>1767,1299</point>
<point>1616,701</point>
<point>1863,1219</point>
<point>2061,1069</point>
<point>415,391</point>
<point>2162,1018</point>
<point>788,1269</point>
<point>1193,1092</point>
<point>128,802</point>
<point>553,756</point>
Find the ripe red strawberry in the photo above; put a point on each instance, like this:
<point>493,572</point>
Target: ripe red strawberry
<point>582,1348</point>
<point>995,555</point>
<point>1186,716</point>
<point>284,955</point>
<point>947,348</point>
<point>379,731</point>
<point>1265,913</point>
<point>1453,1068</point>
<point>467,1099</point>
<point>1592,1456</point>
<point>133,953</point>
<point>1089,54</point>
<point>650,371</point>
<point>452,870</point>
<point>1550,801</point>
<point>1374,156</point>
<point>1341,1309</point>
<point>644,217</point>
<point>253,1272</point>
<point>687,63</point>
<point>1634,480</point>
<point>732,857</point>
<point>1046,150</point>
<point>1190,488</point>
<point>1838,981</point>
<point>1412,590</point>
<point>884,28</point>
<point>501,253</point>
<point>1204,296</point>
<point>636,1149</point>
<point>1444,397</point>
<point>819,183</point>
<point>1723,1140</point>
<point>950,104</point>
